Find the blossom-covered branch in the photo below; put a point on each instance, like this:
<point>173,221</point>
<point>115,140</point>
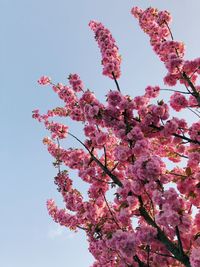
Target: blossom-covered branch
<point>141,210</point>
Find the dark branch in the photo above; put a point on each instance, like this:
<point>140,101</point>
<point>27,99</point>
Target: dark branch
<point>195,92</point>
<point>178,135</point>
<point>194,112</point>
<point>162,254</point>
<point>182,257</point>
<point>173,90</point>
<point>179,240</point>
<point>140,263</point>
<point>104,168</point>
<point>116,82</point>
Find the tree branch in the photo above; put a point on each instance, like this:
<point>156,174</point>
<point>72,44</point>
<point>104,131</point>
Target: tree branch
<point>110,210</point>
<point>140,263</point>
<point>174,134</point>
<point>162,254</point>
<point>179,240</point>
<point>195,93</point>
<point>104,168</point>
<point>180,256</point>
<point>178,135</point>
<point>116,82</point>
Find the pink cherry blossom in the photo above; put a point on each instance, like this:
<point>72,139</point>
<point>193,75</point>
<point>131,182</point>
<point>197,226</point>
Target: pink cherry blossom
<point>195,257</point>
<point>110,57</point>
<point>44,80</point>
<point>140,164</point>
<point>178,101</point>
<point>76,82</point>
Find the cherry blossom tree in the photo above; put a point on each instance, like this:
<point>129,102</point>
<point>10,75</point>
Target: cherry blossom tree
<point>153,219</point>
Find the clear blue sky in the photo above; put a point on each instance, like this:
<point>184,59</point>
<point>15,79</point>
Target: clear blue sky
<point>52,37</point>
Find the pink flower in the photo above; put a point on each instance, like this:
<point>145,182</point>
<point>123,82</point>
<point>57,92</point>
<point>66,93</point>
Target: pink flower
<point>36,115</point>
<point>164,17</point>
<point>122,153</point>
<point>194,131</point>
<point>195,257</point>
<point>174,63</point>
<point>76,82</point>
<point>124,243</point>
<point>178,101</point>
<point>90,130</point>
<point>170,79</point>
<point>91,111</point>
<point>58,130</point>
<point>135,134</point>
<point>114,98</point>
<point>194,159</point>
<point>110,57</point>
<point>44,80</point>
<point>170,127</point>
<point>148,168</point>
<point>101,138</point>
<point>141,147</point>
<point>68,96</point>
<point>61,216</point>
<point>136,12</point>
<point>152,92</point>
<point>140,101</point>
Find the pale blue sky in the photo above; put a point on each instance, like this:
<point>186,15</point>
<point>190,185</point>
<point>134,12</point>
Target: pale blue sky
<point>52,37</point>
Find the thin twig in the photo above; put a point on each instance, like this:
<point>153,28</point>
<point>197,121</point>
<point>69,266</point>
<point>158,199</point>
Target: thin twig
<point>110,210</point>
<point>116,82</point>
<point>194,112</point>
<point>163,255</point>
<point>105,156</point>
<point>82,228</point>
<point>148,256</point>
<point>195,92</point>
<point>177,174</point>
<point>172,37</point>
<point>173,90</point>
<point>102,181</point>
<point>194,72</point>
<point>58,156</point>
<point>114,167</point>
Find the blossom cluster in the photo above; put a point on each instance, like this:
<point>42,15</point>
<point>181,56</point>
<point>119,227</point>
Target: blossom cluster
<point>129,142</point>
<point>110,57</point>
<point>156,24</point>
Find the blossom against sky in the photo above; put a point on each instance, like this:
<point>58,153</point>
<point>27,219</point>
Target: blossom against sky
<point>53,38</point>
